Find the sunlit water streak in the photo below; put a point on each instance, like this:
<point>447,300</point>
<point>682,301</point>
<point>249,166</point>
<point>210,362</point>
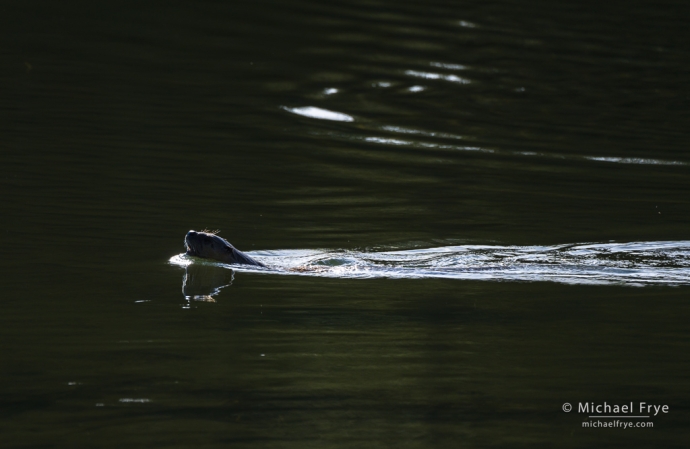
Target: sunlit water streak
<point>320,113</point>
<point>317,113</point>
<point>437,76</point>
<point>634,263</point>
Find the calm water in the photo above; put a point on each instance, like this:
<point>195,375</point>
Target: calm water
<point>474,212</point>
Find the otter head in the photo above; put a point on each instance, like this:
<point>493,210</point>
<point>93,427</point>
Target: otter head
<point>207,245</point>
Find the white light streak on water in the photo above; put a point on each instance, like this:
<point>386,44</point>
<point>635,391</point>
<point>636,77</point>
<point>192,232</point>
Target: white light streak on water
<point>437,76</point>
<point>400,129</point>
<point>320,114</point>
<point>388,141</point>
<point>634,160</point>
<point>447,66</point>
<point>632,264</point>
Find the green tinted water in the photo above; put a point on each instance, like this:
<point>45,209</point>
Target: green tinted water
<point>124,126</point>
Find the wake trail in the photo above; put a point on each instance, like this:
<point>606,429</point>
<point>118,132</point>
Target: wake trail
<point>633,263</point>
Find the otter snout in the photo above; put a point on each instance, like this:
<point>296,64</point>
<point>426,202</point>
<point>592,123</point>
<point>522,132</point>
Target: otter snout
<point>189,239</point>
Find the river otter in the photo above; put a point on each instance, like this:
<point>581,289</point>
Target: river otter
<point>211,246</point>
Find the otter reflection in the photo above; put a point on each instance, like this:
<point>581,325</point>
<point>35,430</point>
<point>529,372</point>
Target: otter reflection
<point>202,282</point>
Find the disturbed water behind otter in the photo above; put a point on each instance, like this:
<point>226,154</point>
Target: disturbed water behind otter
<point>635,264</point>
<point>458,202</point>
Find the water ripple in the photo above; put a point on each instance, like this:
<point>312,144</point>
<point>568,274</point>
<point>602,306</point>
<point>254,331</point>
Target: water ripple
<point>633,263</point>
<point>321,114</point>
<point>634,160</point>
<point>437,76</point>
<point>325,114</point>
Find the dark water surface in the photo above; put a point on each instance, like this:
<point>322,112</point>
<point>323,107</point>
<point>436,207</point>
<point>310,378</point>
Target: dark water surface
<point>384,150</point>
